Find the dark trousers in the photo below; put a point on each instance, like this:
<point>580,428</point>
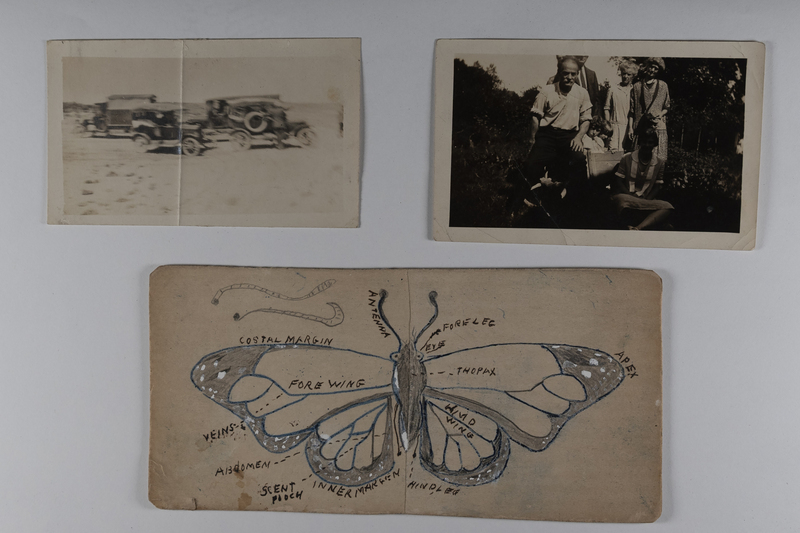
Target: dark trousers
<point>552,153</point>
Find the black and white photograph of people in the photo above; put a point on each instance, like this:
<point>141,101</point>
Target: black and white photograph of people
<point>606,142</point>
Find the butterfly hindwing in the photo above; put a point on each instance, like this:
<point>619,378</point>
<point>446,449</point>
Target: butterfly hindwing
<point>352,445</point>
<point>459,444</point>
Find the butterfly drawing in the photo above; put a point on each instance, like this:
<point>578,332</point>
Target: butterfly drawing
<point>459,410</point>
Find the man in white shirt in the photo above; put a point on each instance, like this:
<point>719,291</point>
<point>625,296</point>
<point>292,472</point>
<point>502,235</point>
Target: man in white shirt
<point>561,115</point>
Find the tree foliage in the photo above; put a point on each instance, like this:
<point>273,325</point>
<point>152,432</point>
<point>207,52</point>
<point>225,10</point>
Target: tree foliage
<point>711,98</point>
<point>484,111</point>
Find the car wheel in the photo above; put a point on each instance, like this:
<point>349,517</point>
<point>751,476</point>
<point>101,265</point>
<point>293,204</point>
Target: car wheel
<point>305,136</point>
<point>241,140</point>
<point>191,146</point>
<point>255,122</point>
<point>141,143</point>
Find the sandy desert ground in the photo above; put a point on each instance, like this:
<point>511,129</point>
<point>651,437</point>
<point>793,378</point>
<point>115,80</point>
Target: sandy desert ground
<point>106,176</point>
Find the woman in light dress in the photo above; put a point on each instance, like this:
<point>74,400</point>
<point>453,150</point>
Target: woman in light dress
<point>618,104</point>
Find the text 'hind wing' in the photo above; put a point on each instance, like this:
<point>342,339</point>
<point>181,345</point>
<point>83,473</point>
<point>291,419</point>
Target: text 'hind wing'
<point>459,444</point>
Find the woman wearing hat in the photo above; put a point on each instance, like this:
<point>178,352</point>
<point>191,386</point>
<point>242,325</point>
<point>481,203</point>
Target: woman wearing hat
<point>649,105</point>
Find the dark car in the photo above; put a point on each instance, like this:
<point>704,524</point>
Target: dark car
<point>159,125</point>
<point>243,119</point>
<point>114,116</point>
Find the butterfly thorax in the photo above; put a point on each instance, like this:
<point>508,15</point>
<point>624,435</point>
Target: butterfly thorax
<point>409,380</point>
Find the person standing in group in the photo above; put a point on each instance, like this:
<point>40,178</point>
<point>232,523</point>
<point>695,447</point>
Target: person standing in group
<point>649,105</point>
<point>587,78</point>
<point>618,105</point>
<point>561,116</point>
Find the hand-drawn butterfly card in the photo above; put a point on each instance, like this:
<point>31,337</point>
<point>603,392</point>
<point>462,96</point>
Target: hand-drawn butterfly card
<point>526,394</point>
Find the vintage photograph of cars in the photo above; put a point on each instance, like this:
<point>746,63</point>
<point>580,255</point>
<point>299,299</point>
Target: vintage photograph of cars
<point>229,133</point>
<point>592,142</point>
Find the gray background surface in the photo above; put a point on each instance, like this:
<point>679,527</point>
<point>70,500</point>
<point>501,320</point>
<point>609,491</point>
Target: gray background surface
<point>74,317</point>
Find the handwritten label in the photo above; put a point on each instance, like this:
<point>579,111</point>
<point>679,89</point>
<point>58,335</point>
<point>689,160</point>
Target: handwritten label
<point>488,322</point>
<point>346,492</point>
<point>630,370</point>
<point>464,420</point>
<point>328,384</point>
<point>376,317</point>
<point>429,346</point>
<point>240,467</point>
<point>475,371</point>
<point>281,492</point>
<point>234,430</point>
<point>300,339</point>
<point>433,488</point>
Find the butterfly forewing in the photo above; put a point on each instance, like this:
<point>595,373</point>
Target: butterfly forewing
<point>528,390</point>
<point>279,391</point>
<point>498,367</point>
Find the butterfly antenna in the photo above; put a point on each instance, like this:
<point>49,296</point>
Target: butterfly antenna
<point>384,295</point>
<point>432,297</point>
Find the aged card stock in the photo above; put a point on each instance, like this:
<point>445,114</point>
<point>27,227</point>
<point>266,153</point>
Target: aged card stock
<point>527,394</point>
<point>204,132</point>
<point>612,143</point>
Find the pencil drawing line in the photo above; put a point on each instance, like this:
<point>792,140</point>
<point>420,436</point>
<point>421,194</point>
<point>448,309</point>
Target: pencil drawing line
<point>335,320</point>
<point>249,286</point>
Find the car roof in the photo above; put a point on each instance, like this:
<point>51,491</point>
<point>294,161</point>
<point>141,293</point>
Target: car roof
<point>254,99</point>
<point>132,97</point>
<point>158,106</point>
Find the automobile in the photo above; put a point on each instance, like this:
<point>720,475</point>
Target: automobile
<point>246,119</point>
<point>114,116</point>
<point>159,125</point>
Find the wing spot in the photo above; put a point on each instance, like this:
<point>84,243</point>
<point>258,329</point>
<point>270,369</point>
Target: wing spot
<point>586,373</point>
